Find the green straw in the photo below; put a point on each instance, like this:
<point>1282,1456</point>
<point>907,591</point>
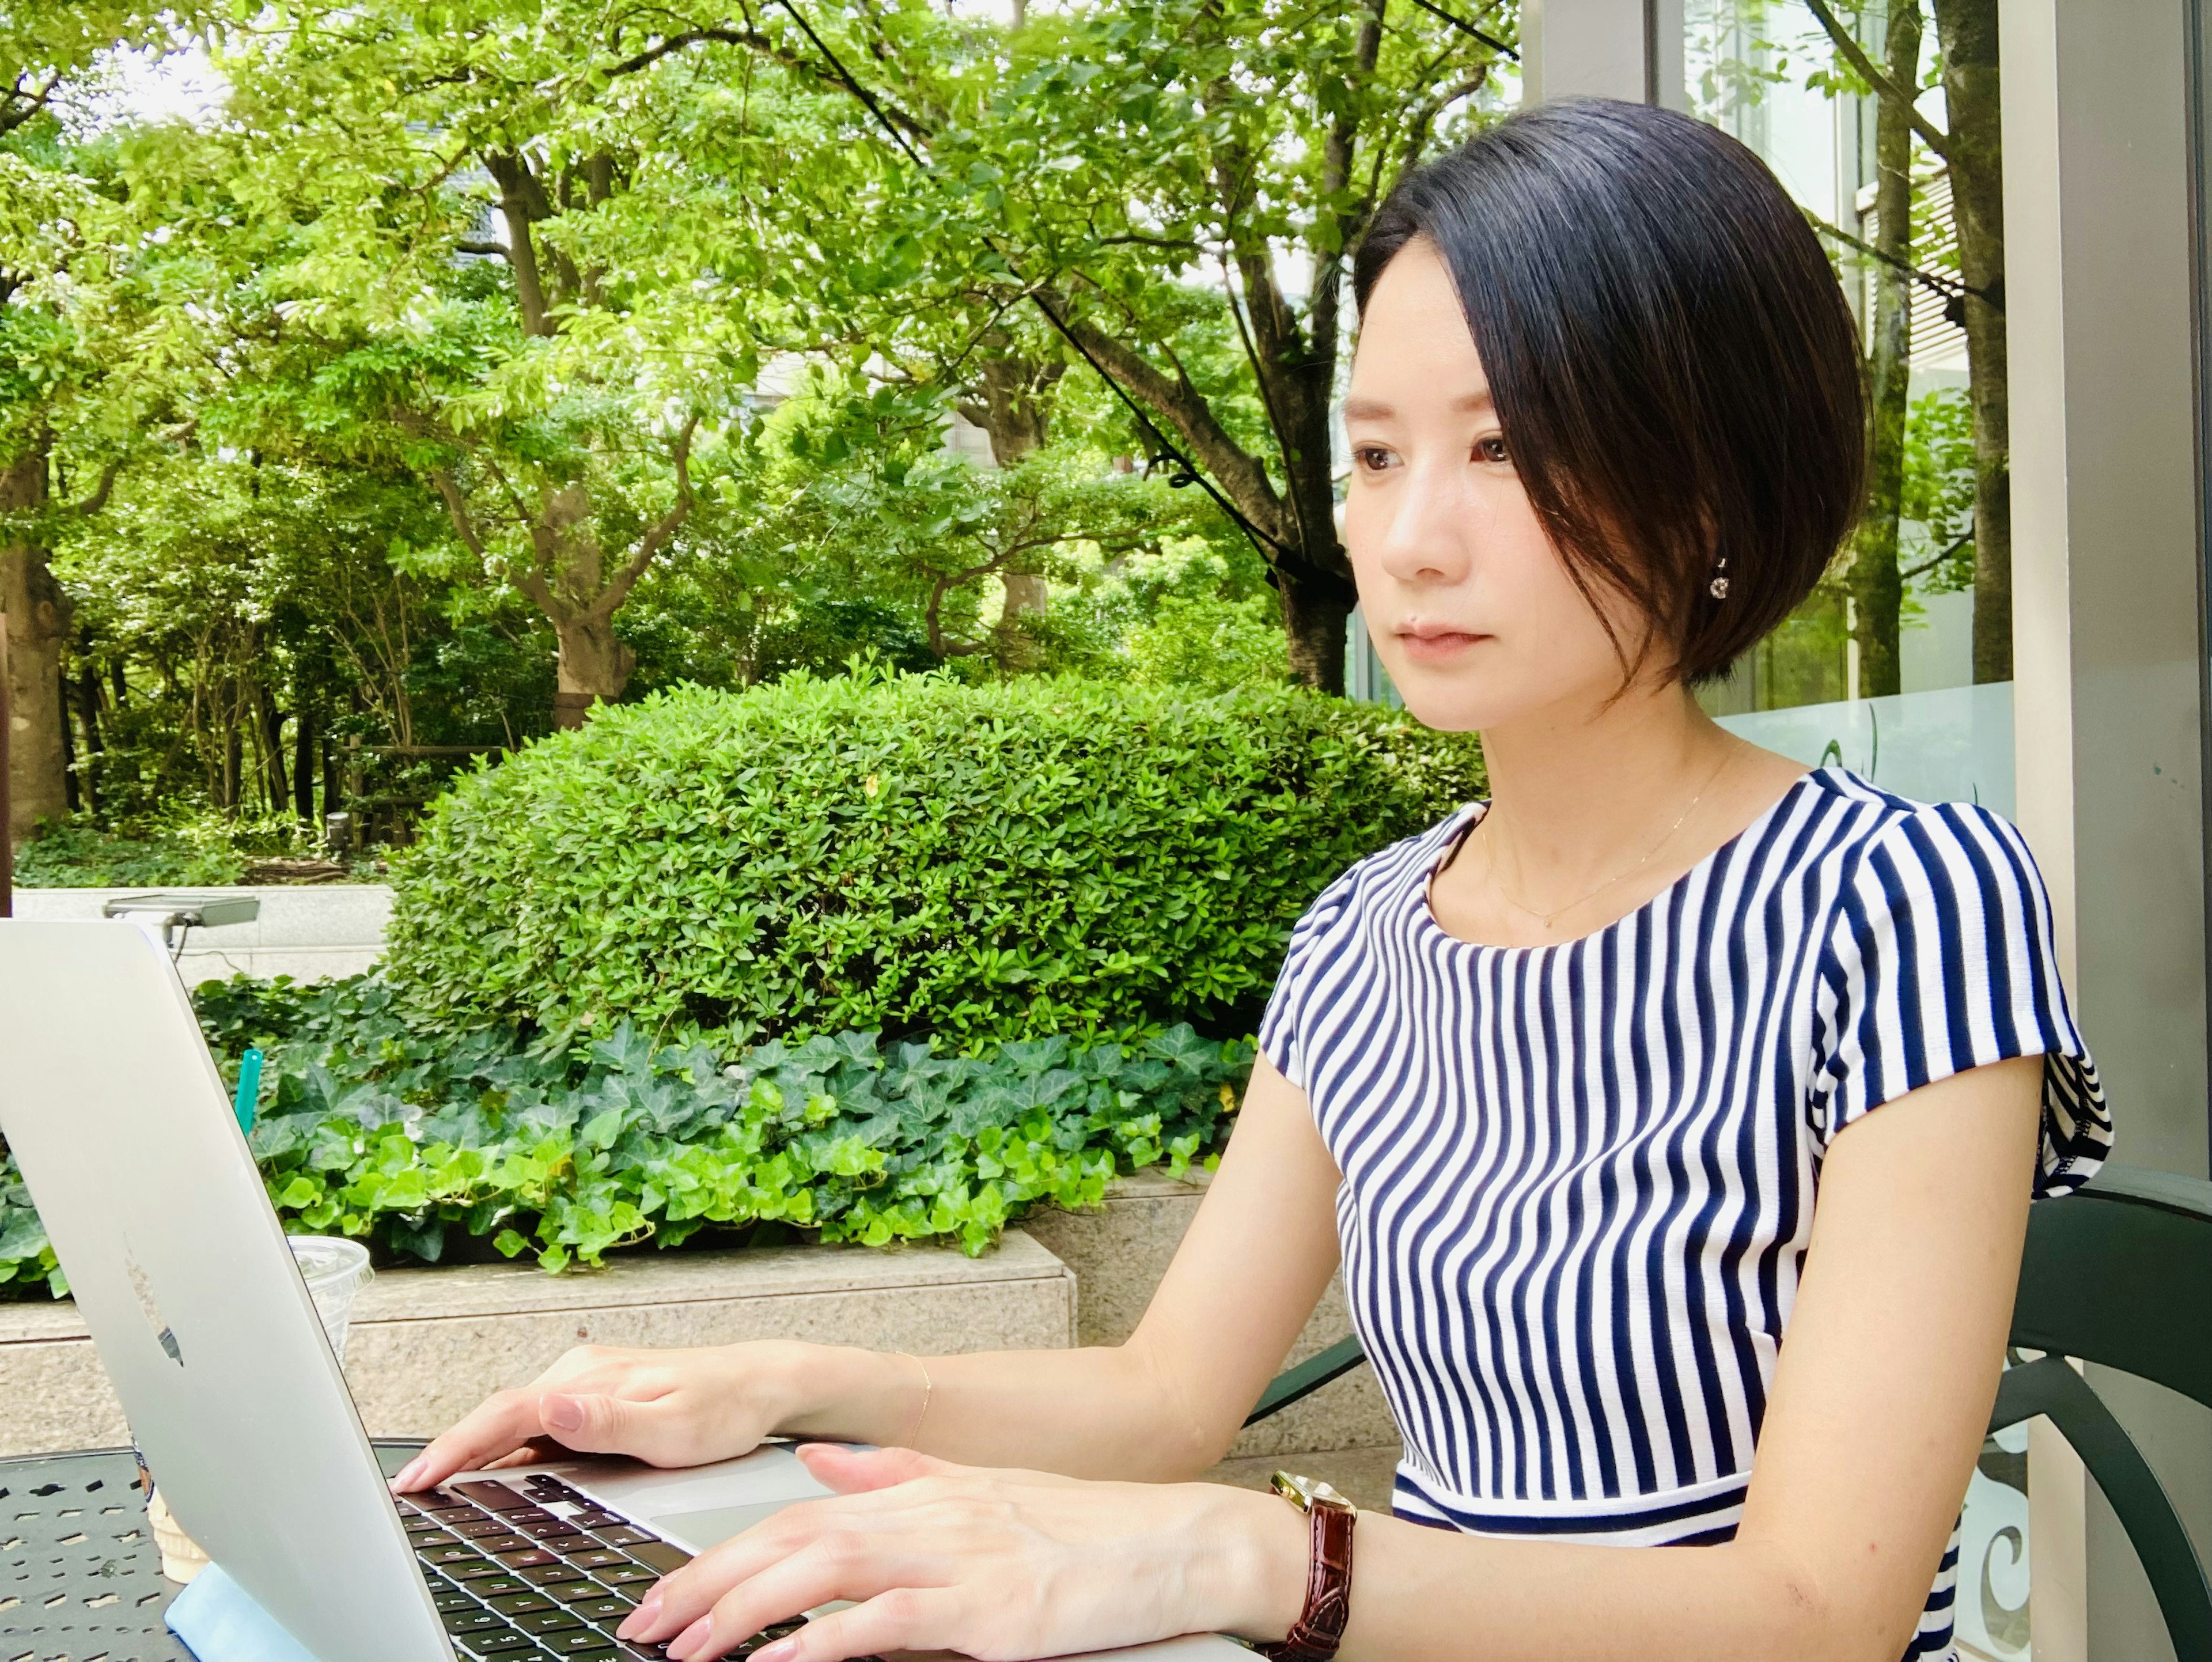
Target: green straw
<point>249,1088</point>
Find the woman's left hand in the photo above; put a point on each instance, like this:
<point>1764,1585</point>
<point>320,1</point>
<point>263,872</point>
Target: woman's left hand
<point>1004,1566</point>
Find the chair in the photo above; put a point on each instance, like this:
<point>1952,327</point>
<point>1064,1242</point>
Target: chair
<point>2119,1274</point>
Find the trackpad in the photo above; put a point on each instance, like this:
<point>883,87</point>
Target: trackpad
<point>695,1531</point>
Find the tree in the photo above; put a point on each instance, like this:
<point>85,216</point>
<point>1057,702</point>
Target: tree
<point>1971,149</point>
<point>1875,586</point>
<point>1145,179</point>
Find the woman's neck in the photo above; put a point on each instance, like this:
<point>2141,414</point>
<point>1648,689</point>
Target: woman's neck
<point>1595,810</point>
<point>1575,792</point>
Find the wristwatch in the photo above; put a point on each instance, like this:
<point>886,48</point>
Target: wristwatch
<point>1319,1629</point>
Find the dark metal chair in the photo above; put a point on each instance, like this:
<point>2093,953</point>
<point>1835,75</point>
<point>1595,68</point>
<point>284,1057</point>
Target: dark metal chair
<point>2119,1274</point>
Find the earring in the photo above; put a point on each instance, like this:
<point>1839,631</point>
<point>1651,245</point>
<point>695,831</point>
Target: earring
<point>1718,587</point>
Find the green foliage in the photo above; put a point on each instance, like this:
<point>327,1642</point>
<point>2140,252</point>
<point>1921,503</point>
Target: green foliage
<point>434,1145</point>
<point>1211,645</point>
<point>1032,856</point>
<point>1937,500</point>
<point>77,855</point>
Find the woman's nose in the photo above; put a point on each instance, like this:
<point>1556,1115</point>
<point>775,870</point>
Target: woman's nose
<point>1426,536</point>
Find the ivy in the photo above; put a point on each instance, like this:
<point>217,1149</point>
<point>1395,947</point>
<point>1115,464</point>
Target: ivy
<point>569,1147</point>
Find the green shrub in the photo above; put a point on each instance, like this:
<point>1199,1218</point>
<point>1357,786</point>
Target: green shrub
<point>1211,645</point>
<point>431,1143</point>
<point>75,853</point>
<point>1035,856</point>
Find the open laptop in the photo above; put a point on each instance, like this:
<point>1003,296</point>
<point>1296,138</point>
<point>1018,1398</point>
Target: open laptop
<point>114,1109</point>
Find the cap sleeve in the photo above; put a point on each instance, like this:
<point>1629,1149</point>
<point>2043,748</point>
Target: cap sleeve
<point>1940,958</point>
<point>1285,1027</point>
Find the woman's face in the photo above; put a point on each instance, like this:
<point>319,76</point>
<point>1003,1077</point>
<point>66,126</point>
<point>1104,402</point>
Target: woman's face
<point>1472,610</point>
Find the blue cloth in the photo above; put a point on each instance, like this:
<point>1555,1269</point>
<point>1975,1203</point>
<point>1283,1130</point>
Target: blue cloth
<point>219,1622</point>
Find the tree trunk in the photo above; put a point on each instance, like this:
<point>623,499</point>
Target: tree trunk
<point>1017,412</point>
<point>72,786</point>
<point>273,774</point>
<point>37,615</point>
<point>95,748</point>
<point>1967,32</point>
<point>1316,610</point>
<point>1876,591</point>
<point>595,666</point>
<point>303,754</point>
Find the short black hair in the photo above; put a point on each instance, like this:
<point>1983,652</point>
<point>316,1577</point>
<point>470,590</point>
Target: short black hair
<point>1669,353</point>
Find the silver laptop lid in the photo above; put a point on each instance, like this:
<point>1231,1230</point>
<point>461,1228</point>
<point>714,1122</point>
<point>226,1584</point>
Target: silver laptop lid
<point>115,1113</point>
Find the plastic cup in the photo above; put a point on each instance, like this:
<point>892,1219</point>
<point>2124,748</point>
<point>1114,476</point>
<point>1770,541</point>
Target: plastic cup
<point>336,1270</point>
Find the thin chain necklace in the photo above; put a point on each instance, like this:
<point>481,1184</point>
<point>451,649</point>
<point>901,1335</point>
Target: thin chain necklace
<point>1498,875</point>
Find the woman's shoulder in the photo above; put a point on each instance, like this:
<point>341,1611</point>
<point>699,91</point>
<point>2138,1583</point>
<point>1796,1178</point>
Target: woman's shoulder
<point>1872,829</point>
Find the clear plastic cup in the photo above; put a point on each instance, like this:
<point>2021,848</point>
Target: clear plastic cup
<point>336,1270</point>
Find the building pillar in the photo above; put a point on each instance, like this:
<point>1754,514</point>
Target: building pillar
<point>1624,49</point>
<point>2108,655</point>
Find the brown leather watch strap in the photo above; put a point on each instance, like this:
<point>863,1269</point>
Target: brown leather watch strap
<point>1320,1627</point>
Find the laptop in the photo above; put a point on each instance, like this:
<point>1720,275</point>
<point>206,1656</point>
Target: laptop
<point>114,1109</point>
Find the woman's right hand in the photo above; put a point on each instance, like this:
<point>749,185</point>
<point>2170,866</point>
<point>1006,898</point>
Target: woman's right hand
<point>666,1408</point>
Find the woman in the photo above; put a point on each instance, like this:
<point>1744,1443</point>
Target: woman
<point>1568,1070</point>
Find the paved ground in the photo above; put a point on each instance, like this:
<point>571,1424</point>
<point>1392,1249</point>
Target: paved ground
<point>1363,1474</point>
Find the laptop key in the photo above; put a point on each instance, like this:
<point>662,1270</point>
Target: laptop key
<point>505,1642</point>
<point>495,1586</point>
<point>626,1575</point>
<point>620,1535</point>
<point>529,1558</point>
<point>592,1558</point>
<point>521,1604</point>
<point>502,1543</point>
<point>542,1575</point>
<point>553,1621</point>
<point>421,1539</point>
<point>607,1608</point>
<point>481,1569</point>
<point>595,1520</point>
<point>587,1643</point>
<point>550,1529</point>
<point>660,1555</point>
<point>574,1592</point>
<point>449,1555</point>
<point>492,1496</point>
<point>474,1619</point>
<point>476,1528</point>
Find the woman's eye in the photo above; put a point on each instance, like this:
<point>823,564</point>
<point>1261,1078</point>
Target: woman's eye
<point>1491,449</point>
<point>1372,458</point>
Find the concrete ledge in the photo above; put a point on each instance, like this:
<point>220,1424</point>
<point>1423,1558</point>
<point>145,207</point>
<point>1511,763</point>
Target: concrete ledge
<point>428,1345</point>
<point>1119,1256</point>
<point>311,932</point>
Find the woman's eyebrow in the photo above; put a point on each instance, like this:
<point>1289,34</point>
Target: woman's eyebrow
<point>1362,409</point>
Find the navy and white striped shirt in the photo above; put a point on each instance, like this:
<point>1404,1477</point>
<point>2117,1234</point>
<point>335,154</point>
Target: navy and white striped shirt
<point>1579,1179</point>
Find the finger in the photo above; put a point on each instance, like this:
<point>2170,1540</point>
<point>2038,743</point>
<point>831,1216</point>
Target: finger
<point>498,1426</point>
<point>843,1564</point>
<point>856,1470</point>
<point>660,1432</point>
<point>903,1619</point>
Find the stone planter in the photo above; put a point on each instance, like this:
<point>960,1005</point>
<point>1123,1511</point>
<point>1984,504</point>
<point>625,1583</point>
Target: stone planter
<point>311,932</point>
<point>426,1345</point>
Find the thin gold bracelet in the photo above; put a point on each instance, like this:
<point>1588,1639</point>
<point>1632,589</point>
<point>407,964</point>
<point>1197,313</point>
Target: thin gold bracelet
<point>928,1389</point>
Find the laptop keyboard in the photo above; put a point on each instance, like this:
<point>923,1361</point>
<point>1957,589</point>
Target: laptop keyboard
<point>531,1571</point>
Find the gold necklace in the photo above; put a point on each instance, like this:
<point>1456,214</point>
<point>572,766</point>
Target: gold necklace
<point>1498,875</point>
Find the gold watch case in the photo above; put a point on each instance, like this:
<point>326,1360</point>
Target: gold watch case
<point>1306,1493</point>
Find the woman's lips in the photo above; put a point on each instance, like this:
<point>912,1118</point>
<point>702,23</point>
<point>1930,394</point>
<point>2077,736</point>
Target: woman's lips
<point>1437,646</point>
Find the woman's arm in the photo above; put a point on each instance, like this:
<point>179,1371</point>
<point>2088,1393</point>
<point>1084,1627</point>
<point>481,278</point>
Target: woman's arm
<point>1880,1397</point>
<point>1166,1404</point>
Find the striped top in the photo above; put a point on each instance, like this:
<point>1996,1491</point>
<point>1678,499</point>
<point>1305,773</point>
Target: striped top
<point>1579,1179</point>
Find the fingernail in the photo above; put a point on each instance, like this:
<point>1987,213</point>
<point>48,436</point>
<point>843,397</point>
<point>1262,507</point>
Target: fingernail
<point>693,1638</point>
<point>639,1619</point>
<point>782,1651</point>
<point>408,1475</point>
<point>560,1413</point>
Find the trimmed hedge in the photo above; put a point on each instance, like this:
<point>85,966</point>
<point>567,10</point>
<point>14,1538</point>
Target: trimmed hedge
<point>437,1145</point>
<point>908,855</point>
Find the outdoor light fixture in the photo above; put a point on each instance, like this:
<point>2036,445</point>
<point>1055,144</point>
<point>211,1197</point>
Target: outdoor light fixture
<point>182,913</point>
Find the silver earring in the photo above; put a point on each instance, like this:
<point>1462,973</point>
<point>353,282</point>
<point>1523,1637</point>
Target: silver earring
<point>1718,587</point>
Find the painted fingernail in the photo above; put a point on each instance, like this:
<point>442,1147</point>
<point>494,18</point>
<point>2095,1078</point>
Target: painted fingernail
<point>407,1475</point>
<point>639,1619</point>
<point>693,1638</point>
<point>560,1413</point>
<point>782,1651</point>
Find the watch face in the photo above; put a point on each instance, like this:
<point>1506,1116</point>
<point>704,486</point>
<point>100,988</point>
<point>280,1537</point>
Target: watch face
<point>1306,1493</point>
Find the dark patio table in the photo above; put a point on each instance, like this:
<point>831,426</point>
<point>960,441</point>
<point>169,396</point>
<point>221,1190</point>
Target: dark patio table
<point>79,1577</point>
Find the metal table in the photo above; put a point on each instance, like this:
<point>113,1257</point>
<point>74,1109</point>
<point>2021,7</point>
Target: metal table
<point>79,1577</point>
